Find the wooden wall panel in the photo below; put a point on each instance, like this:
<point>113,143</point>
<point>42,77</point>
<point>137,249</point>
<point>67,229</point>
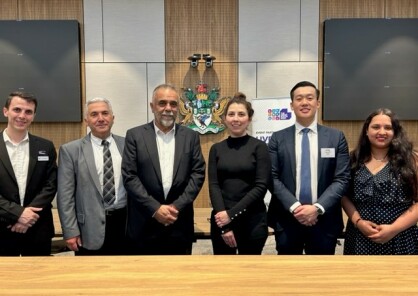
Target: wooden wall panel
<point>199,26</point>
<point>8,9</point>
<point>402,8</point>
<point>59,133</point>
<point>364,9</point>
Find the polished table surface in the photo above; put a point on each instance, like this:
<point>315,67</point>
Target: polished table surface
<point>209,275</point>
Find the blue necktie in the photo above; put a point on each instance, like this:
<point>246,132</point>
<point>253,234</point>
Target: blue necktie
<point>305,195</point>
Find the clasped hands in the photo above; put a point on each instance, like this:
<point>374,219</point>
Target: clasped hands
<point>26,220</point>
<point>222,219</point>
<point>306,215</point>
<point>379,234</point>
<point>166,214</point>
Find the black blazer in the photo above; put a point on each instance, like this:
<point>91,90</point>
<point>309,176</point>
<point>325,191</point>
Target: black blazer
<point>40,189</point>
<point>142,179</point>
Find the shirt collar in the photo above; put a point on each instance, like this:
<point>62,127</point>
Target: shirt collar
<point>160,132</point>
<point>97,141</point>
<point>313,127</point>
<point>7,138</point>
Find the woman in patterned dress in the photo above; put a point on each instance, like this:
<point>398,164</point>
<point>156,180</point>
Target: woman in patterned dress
<point>382,201</point>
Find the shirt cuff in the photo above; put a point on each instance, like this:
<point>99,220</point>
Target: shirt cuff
<point>294,206</point>
<point>319,206</point>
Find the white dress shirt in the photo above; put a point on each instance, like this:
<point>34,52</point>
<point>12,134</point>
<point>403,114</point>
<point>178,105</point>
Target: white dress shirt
<point>313,149</point>
<point>120,191</point>
<point>166,148</point>
<point>19,157</point>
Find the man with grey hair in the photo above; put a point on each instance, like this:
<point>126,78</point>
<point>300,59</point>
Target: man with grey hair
<point>91,198</point>
<point>163,171</point>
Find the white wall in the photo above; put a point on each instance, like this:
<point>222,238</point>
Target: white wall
<point>278,45</point>
<point>124,56</point>
<point>125,49</point>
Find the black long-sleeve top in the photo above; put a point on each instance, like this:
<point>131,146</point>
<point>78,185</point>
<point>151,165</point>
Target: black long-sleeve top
<point>239,173</point>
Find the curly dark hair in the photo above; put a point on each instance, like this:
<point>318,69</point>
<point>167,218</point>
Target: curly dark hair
<point>401,154</point>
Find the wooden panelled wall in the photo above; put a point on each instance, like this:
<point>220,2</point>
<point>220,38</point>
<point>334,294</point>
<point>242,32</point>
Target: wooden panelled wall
<point>200,26</point>
<point>63,132</point>
<point>364,9</point>
<point>203,27</point>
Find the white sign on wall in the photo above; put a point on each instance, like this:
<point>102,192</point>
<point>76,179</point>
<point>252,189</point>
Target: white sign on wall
<point>270,115</point>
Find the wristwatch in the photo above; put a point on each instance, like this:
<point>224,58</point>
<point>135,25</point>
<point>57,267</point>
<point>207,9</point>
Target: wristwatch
<point>319,210</point>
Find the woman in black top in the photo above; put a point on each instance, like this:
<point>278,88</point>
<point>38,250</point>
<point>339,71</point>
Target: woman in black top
<point>239,173</point>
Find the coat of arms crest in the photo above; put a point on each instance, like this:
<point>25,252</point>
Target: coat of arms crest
<point>202,110</point>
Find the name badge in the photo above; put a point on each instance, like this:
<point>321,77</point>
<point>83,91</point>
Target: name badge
<point>327,152</point>
<point>43,158</point>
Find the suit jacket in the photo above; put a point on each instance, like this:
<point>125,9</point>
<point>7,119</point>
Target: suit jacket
<point>79,199</point>
<point>41,187</point>
<point>333,178</point>
<point>142,179</point>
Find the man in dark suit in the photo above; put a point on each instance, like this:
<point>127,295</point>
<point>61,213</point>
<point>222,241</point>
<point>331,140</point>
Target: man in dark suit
<point>28,182</point>
<point>163,171</point>
<point>307,222</point>
<point>90,224</point>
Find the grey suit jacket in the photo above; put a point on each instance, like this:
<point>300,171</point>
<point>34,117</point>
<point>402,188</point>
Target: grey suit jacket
<point>79,199</point>
<point>333,178</point>
<point>142,179</point>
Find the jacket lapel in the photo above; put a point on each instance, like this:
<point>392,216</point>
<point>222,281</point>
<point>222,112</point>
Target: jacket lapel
<point>323,142</point>
<point>33,156</point>
<point>151,144</point>
<point>179,147</point>
<point>5,159</point>
<point>290,146</point>
<point>87,150</point>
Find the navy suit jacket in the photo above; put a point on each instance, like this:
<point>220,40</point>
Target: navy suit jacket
<point>142,179</point>
<point>40,188</point>
<point>333,178</point>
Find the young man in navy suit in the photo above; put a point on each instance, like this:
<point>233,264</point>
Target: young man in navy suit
<point>163,171</point>
<point>28,182</point>
<point>307,219</point>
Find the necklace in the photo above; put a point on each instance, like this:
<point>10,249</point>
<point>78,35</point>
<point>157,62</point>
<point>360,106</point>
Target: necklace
<point>380,159</point>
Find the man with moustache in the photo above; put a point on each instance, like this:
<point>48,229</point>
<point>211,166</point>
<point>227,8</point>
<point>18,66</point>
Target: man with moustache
<point>163,171</point>
<point>91,223</point>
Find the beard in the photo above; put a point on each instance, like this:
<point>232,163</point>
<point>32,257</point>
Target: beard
<point>167,122</point>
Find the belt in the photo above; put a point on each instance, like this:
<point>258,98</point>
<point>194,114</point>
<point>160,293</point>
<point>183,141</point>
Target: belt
<point>111,212</point>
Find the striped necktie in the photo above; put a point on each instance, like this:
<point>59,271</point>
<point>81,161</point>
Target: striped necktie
<point>108,176</point>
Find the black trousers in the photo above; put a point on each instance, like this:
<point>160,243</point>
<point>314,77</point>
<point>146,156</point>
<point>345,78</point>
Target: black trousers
<point>164,245</point>
<point>23,244</point>
<point>115,242</point>
<point>304,239</point>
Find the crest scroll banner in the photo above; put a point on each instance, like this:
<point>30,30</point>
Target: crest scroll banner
<point>202,109</point>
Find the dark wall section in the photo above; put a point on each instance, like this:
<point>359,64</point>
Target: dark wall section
<point>43,58</point>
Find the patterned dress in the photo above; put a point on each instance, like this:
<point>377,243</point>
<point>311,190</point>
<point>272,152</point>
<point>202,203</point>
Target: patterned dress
<point>381,199</point>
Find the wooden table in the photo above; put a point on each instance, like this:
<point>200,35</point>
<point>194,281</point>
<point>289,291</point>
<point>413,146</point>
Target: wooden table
<point>209,275</point>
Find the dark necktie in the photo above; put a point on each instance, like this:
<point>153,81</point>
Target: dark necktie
<point>305,195</point>
<point>108,176</point>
